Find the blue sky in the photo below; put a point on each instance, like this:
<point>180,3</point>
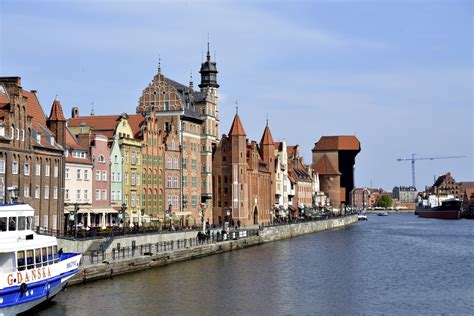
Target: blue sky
<point>397,74</point>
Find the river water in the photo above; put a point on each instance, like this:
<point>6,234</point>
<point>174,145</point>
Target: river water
<point>399,264</point>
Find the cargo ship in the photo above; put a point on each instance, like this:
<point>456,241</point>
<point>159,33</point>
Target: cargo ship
<point>449,209</point>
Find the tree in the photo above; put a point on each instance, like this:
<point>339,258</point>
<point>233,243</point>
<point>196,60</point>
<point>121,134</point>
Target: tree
<point>385,201</point>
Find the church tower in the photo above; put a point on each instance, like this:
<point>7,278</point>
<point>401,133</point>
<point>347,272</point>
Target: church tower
<point>57,122</point>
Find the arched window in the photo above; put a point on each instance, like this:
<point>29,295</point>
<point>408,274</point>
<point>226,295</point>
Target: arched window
<point>101,159</point>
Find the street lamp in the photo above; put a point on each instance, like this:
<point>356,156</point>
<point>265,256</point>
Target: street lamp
<point>228,217</point>
<point>122,216</point>
<point>76,210</point>
<point>202,212</point>
<point>271,217</point>
<point>169,215</point>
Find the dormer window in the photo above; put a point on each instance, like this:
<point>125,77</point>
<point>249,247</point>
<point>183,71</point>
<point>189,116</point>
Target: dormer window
<point>52,141</point>
<point>38,138</point>
<point>101,159</point>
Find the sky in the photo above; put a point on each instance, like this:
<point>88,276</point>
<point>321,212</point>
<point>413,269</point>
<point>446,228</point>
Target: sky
<point>397,74</point>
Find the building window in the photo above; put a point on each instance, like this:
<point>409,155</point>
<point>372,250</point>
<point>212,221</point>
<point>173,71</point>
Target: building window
<point>37,192</point>
<point>101,159</point>
<point>134,158</point>
<point>104,195</point>
<point>133,178</point>
<point>26,168</point>
<point>133,199</point>
<point>169,163</point>
<point>112,176</point>
<point>126,178</point>
<point>175,163</point>
<point>104,175</point>
<point>26,191</point>
<point>97,175</point>
<point>78,194</point>
<point>46,192</point>
<point>193,182</point>
<point>38,169</point>
<point>193,201</point>
<point>173,145</point>
<point>55,171</point>
<point>15,167</point>
<point>45,222</point>
<point>86,174</point>
<point>2,166</point>
<point>119,176</point>
<point>169,182</point>
<point>47,170</point>
<point>193,164</point>
<point>68,174</point>
<point>175,182</point>
<point>97,195</point>
<point>175,202</point>
<point>55,193</point>
<point>78,174</point>
<point>17,134</point>
<point>86,194</point>
<point>170,200</point>
<point>185,181</point>
<point>66,194</point>
<point>184,164</point>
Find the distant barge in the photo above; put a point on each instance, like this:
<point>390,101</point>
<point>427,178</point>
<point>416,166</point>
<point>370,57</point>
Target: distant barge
<point>449,209</point>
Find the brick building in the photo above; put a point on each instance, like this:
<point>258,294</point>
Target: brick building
<point>242,177</point>
<point>190,122</point>
<point>334,160</point>
<point>446,185</point>
<point>31,152</point>
<point>302,181</point>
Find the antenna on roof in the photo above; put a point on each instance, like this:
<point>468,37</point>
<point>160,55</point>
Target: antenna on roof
<point>208,53</point>
<point>92,109</point>
<point>267,119</point>
<point>236,107</point>
<point>56,98</point>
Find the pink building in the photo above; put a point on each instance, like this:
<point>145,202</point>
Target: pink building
<point>101,181</point>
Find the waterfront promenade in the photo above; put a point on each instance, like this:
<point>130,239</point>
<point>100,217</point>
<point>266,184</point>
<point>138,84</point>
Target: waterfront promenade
<point>126,255</point>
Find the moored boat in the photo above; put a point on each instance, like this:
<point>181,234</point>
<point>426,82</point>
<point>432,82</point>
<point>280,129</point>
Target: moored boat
<point>32,269</point>
<point>449,209</point>
<point>362,217</point>
<point>382,214</point>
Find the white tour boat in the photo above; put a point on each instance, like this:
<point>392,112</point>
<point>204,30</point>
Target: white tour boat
<point>32,270</point>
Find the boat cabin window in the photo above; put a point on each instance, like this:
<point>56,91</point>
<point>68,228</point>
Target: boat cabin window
<point>20,257</point>
<point>3,224</point>
<point>50,255</point>
<point>29,222</point>
<point>21,223</point>
<point>11,223</point>
<point>45,256</point>
<point>55,254</point>
<point>7,262</point>
<point>38,257</point>
<point>30,264</point>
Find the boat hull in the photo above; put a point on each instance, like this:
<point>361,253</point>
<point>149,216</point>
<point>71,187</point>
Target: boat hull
<point>16,300</point>
<point>445,214</point>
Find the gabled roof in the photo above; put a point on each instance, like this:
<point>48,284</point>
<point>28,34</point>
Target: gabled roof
<point>267,138</point>
<point>337,143</point>
<point>324,167</point>
<point>56,111</point>
<point>136,121</point>
<point>33,109</point>
<point>237,129</point>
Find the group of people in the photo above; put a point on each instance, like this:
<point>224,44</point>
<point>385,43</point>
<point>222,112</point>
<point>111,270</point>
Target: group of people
<point>214,236</point>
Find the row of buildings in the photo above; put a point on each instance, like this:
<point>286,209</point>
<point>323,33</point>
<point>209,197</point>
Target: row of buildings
<point>165,162</point>
<point>407,197</point>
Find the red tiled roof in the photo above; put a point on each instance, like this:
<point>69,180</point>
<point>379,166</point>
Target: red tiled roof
<point>136,121</point>
<point>100,123</point>
<point>57,111</point>
<point>237,129</point>
<point>278,145</point>
<point>291,150</point>
<point>33,109</point>
<point>337,143</point>
<point>324,167</point>
<point>267,138</point>
<point>70,139</point>
<point>78,160</point>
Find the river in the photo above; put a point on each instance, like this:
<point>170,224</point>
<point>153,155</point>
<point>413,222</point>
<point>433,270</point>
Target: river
<point>399,264</point>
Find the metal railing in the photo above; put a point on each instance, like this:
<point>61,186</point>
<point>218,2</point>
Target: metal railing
<point>149,249</point>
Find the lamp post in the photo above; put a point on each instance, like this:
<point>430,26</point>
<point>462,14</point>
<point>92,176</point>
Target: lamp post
<point>169,215</point>
<point>271,217</point>
<point>228,217</point>
<point>76,210</point>
<point>122,216</point>
<point>202,213</point>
